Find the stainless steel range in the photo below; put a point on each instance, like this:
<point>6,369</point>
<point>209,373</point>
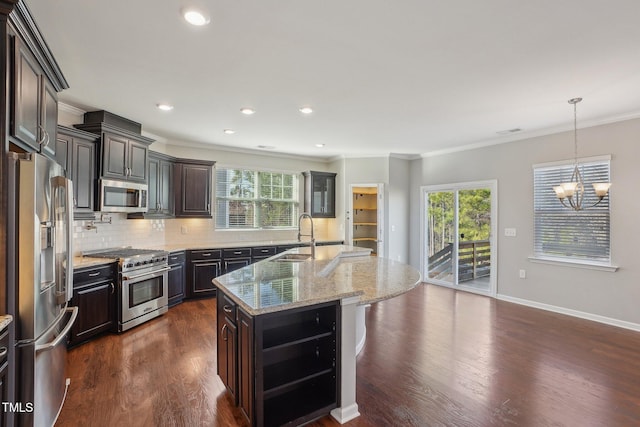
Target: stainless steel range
<point>143,282</point>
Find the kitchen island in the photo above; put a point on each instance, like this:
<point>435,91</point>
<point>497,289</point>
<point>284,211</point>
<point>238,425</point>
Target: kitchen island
<point>290,327</point>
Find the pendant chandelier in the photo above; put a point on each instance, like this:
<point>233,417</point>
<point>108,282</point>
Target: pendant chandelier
<point>571,194</point>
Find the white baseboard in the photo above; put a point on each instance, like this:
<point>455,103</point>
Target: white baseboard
<point>575,313</point>
<point>343,415</point>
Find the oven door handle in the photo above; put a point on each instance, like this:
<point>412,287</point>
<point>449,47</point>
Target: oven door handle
<point>154,273</point>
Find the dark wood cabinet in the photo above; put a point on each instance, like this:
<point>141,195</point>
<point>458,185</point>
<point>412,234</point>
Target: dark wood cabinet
<point>203,267</point>
<point>320,194</point>
<point>227,345</point>
<point>262,252</point>
<point>80,164</point>
<point>123,155</point>
<point>287,362</point>
<point>34,110</point>
<point>161,198</point>
<point>246,365</point>
<point>124,158</point>
<point>193,189</point>
<point>235,258</point>
<point>94,293</point>
<point>62,151</point>
<point>4,376</point>
<point>160,182</point>
<point>176,277</point>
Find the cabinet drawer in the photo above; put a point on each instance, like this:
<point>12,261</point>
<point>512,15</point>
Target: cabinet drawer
<point>177,257</point>
<point>264,251</point>
<point>236,253</point>
<point>229,307</point>
<point>94,274</point>
<point>4,346</point>
<point>205,254</point>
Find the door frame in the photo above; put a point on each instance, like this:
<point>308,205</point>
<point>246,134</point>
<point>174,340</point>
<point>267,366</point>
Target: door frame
<point>380,212</point>
<point>492,185</point>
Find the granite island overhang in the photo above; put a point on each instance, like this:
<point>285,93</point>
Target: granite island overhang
<point>292,282</point>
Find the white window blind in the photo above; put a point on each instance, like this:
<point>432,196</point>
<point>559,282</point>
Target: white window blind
<point>563,233</point>
<point>255,199</point>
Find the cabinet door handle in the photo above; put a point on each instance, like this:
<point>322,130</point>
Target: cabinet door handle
<point>173,258</point>
<point>237,253</point>
<point>97,273</point>
<point>113,288</point>
<point>223,331</point>
<point>227,309</point>
<point>207,254</point>
<point>3,351</point>
<point>41,141</point>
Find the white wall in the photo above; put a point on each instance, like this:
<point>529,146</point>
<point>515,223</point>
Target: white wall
<point>398,209</point>
<point>604,296</point>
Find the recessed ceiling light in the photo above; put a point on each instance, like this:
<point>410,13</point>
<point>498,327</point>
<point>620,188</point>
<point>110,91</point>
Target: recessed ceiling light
<point>247,110</point>
<point>165,107</point>
<point>195,16</point>
<point>229,131</point>
<point>305,110</point>
<point>266,147</point>
<point>319,145</point>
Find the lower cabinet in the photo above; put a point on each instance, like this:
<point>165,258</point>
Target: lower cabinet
<point>287,363</point>
<point>203,267</point>
<point>262,252</point>
<point>4,376</point>
<point>94,294</point>
<point>227,345</point>
<point>233,259</point>
<point>177,277</point>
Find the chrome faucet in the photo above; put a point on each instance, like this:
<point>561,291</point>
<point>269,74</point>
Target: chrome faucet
<point>312,242</point>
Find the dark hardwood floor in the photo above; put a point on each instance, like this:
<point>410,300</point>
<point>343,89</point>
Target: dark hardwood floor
<point>433,357</point>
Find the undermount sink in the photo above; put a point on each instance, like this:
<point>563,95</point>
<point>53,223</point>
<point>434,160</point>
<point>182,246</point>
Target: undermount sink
<point>293,257</point>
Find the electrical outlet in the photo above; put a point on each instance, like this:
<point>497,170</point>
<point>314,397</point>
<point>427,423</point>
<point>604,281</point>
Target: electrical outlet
<point>184,229</point>
<point>523,274</point>
<point>510,232</point>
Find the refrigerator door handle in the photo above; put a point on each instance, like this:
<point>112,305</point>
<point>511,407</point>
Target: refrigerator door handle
<point>51,345</point>
<point>67,185</point>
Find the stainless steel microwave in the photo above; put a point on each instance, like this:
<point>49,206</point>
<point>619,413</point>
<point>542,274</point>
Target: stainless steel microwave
<point>123,196</point>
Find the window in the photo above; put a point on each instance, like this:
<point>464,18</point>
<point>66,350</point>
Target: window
<point>562,233</point>
<point>255,199</point>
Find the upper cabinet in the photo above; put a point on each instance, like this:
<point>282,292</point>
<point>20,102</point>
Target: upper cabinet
<point>34,85</point>
<point>320,194</point>
<point>124,152</point>
<point>76,152</point>
<point>124,158</point>
<point>161,195</point>
<point>193,188</point>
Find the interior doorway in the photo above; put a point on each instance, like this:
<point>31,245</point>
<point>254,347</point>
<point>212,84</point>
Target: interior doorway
<point>459,223</point>
<point>366,217</point>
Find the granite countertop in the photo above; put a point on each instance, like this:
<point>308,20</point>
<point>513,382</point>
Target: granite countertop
<point>337,272</point>
<point>231,245</point>
<point>5,320</point>
<point>81,262</point>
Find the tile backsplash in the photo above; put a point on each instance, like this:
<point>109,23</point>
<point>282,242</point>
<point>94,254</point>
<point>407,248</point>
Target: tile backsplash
<point>148,233</point>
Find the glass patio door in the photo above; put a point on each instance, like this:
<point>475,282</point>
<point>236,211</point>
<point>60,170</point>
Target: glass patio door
<point>458,229</point>
<point>441,236</point>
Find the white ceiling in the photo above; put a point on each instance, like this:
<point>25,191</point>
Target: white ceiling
<point>405,77</point>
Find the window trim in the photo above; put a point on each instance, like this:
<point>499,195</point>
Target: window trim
<point>606,266</point>
<point>296,199</point>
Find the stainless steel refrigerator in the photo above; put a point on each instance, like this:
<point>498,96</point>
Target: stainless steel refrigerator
<point>43,200</point>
